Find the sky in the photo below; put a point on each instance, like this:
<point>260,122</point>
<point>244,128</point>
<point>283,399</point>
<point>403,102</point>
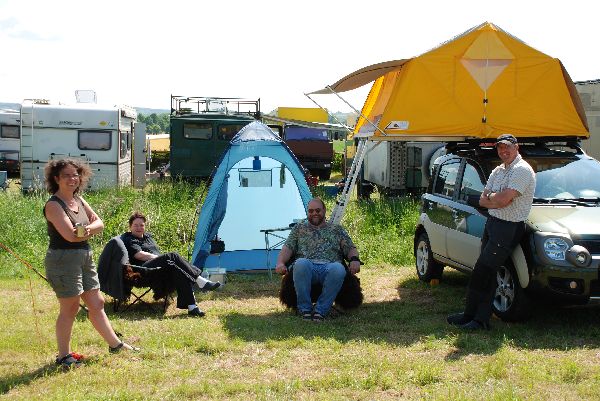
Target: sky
<point>139,53</point>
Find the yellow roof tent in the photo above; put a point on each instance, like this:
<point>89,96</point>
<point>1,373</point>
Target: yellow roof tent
<point>480,84</point>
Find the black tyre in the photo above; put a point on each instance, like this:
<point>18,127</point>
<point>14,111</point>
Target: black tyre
<point>510,300</point>
<point>427,267</point>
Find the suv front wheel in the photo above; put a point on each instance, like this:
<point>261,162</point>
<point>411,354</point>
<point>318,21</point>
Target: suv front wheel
<point>510,301</point>
<point>427,267</point>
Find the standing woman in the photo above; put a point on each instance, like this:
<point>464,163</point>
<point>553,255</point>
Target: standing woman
<point>69,265</point>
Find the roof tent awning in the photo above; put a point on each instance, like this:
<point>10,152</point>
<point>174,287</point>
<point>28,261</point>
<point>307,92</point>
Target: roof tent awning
<point>362,77</point>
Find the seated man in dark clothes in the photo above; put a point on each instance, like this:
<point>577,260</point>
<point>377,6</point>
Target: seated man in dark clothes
<point>144,251</point>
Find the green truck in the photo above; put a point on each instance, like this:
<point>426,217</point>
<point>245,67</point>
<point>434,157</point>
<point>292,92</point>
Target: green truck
<point>200,130</point>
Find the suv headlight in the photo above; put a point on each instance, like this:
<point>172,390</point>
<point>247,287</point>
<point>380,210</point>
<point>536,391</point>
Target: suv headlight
<point>555,248</point>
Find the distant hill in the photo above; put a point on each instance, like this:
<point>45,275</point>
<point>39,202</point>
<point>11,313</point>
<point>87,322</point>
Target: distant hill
<point>147,111</point>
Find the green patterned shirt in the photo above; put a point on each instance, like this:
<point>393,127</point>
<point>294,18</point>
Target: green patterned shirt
<point>325,244</point>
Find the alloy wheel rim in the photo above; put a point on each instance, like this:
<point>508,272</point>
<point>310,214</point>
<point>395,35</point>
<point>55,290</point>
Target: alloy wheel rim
<point>422,257</point>
<point>505,294</point>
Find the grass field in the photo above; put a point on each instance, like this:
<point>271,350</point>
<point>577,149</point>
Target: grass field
<point>396,346</point>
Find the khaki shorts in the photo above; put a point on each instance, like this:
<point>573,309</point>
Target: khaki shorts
<point>71,271</point>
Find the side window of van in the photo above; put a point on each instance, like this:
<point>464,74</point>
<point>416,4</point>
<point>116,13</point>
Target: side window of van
<point>94,140</point>
<point>197,131</point>
<point>227,132</point>
<point>9,131</point>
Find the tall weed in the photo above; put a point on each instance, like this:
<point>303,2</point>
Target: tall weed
<point>381,229</point>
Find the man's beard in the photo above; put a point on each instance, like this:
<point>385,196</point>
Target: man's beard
<point>319,219</point>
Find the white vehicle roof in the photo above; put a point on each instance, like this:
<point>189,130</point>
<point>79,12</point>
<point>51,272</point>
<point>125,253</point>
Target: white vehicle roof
<point>77,116</point>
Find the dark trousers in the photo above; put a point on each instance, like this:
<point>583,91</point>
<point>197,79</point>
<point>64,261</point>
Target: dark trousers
<point>499,239</point>
<point>181,272</point>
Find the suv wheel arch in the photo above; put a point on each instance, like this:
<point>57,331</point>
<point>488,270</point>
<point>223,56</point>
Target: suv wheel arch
<point>520,264</point>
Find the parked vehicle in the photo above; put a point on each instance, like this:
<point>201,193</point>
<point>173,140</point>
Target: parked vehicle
<point>397,167</point>
<point>311,144</point>
<point>201,129</point>
<point>312,147</point>
<point>10,134</point>
<point>558,256</point>
<point>589,92</point>
<point>101,135</point>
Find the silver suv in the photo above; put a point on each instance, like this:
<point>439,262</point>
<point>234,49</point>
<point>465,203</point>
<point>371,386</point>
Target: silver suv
<point>560,253</point>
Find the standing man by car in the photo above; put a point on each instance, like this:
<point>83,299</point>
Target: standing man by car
<point>319,247</point>
<point>508,196</point>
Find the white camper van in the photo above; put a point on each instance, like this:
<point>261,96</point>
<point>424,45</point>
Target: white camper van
<point>589,92</point>
<point>100,135</point>
<point>10,134</point>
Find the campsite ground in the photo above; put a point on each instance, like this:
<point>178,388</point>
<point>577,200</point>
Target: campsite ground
<point>396,346</point>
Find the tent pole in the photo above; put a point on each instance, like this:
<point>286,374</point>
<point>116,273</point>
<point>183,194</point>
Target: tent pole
<point>349,105</point>
<point>327,111</point>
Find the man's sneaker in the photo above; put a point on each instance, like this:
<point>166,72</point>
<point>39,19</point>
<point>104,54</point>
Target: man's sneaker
<point>475,325</point>
<point>196,312</point>
<point>317,317</point>
<point>458,319</point>
<point>307,315</point>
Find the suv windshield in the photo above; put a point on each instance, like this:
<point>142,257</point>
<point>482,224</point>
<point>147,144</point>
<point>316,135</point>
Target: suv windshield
<point>566,178</point>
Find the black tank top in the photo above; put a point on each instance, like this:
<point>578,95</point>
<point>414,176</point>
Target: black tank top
<point>56,240</point>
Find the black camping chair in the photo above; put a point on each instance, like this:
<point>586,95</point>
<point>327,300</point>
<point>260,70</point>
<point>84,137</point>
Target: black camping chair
<point>119,278</point>
<point>350,295</point>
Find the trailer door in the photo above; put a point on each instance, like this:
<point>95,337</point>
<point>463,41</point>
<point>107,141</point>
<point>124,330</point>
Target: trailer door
<point>139,154</point>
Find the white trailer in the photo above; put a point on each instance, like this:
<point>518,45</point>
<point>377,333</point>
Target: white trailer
<point>589,92</point>
<point>10,133</point>
<point>102,136</point>
<point>398,167</point>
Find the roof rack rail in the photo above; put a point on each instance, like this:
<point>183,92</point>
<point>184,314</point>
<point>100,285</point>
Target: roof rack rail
<point>182,105</point>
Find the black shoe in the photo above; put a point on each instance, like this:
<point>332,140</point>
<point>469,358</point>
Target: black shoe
<point>196,312</point>
<point>458,319</point>
<point>475,325</point>
<point>210,286</point>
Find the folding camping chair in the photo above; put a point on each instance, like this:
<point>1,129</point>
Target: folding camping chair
<point>350,295</point>
<point>119,278</point>
<point>279,239</point>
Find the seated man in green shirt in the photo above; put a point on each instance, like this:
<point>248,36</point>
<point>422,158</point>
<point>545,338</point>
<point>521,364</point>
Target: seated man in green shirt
<point>319,248</point>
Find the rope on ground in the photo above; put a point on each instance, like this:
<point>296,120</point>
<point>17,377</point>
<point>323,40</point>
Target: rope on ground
<point>35,318</point>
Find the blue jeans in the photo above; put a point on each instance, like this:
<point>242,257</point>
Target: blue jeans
<point>329,275</point>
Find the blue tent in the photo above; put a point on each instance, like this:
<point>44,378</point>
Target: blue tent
<point>259,185</point>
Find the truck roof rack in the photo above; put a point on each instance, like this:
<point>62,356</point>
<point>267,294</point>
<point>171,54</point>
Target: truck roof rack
<point>183,105</point>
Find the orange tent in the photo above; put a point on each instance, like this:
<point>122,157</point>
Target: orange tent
<point>480,84</point>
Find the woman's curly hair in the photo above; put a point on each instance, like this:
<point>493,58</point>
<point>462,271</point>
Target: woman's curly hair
<point>54,167</point>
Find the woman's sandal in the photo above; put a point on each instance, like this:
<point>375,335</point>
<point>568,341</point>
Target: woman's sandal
<point>122,346</point>
<point>71,360</point>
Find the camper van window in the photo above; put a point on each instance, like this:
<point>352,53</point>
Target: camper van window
<point>94,140</point>
<point>253,178</point>
<point>9,131</point>
<point>227,132</point>
<point>125,144</point>
<point>197,130</point>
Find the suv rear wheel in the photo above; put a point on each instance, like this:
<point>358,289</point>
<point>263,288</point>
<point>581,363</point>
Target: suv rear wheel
<point>510,301</point>
<point>427,267</point>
